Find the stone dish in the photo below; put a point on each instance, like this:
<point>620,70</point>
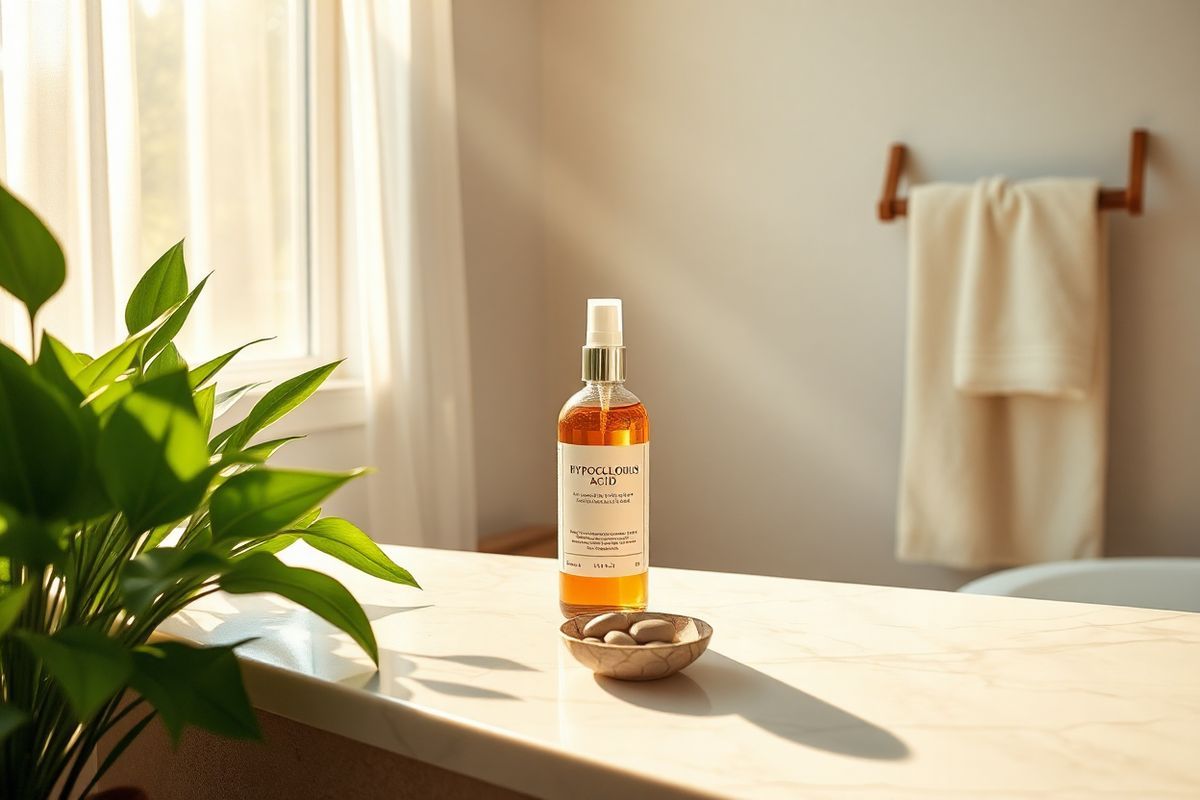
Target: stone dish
<point>638,662</point>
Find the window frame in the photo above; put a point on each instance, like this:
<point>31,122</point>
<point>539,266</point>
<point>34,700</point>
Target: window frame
<point>341,401</point>
<point>325,274</point>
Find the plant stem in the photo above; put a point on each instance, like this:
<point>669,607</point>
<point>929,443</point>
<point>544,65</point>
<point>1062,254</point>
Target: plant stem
<point>89,739</point>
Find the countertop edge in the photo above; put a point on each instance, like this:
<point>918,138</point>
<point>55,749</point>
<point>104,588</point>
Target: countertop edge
<point>478,751</point>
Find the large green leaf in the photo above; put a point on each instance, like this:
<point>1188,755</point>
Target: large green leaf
<point>157,570</point>
<point>169,360</point>
<point>11,603</point>
<point>103,401</point>
<point>345,542</point>
<point>276,403</point>
<point>201,538</point>
<point>199,375</point>
<point>264,501</point>
<point>206,400</point>
<point>319,593</point>
<point>160,287</point>
<point>41,444</point>
<point>58,366</point>
<point>31,541</point>
<point>156,536</point>
<point>174,322</point>
<point>304,520</point>
<point>219,442</point>
<point>226,400</point>
<point>153,453</point>
<point>199,686</point>
<point>276,544</point>
<point>106,368</point>
<point>279,542</point>
<point>89,667</point>
<point>259,453</point>
<point>11,718</point>
<point>32,266</point>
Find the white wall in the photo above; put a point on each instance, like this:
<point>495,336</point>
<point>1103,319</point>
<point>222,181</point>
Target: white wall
<point>716,165</point>
<point>497,71</point>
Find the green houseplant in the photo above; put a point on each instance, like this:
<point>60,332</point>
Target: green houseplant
<point>119,507</point>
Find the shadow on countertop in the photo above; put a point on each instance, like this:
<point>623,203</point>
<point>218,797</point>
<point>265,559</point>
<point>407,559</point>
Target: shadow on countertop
<point>717,685</point>
<point>290,637</point>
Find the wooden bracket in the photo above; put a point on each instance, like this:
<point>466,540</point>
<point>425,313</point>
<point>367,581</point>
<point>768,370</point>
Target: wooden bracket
<point>1130,198</point>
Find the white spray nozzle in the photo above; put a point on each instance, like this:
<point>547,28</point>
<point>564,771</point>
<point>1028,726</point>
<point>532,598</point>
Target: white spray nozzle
<point>604,323</point>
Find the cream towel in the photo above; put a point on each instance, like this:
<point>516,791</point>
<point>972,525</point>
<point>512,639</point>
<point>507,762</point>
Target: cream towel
<point>1017,476</point>
<point>1028,311</point>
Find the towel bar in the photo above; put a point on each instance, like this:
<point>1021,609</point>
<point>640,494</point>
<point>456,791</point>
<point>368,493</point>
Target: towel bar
<point>1129,198</point>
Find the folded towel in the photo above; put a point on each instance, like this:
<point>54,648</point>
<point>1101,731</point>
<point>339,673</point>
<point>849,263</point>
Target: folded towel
<point>1027,313</point>
<point>1018,476</point>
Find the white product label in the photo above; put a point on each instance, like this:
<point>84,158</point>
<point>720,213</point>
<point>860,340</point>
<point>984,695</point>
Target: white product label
<point>603,509</point>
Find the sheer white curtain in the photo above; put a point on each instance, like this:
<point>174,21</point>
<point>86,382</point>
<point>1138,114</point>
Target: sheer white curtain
<point>404,232</point>
<point>130,124</point>
<point>53,96</point>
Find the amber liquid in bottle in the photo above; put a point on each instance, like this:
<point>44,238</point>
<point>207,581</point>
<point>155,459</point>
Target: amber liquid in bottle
<point>603,414</point>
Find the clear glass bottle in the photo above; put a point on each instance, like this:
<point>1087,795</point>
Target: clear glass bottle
<point>604,479</point>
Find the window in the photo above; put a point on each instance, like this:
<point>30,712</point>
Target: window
<point>222,112</point>
<point>217,125</point>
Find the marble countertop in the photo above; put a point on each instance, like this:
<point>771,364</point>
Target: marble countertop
<point>809,689</point>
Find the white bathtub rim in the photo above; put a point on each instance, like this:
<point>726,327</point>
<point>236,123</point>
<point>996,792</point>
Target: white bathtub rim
<point>1161,582</point>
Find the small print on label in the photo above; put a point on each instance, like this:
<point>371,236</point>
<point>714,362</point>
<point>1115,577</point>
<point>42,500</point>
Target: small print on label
<point>603,522</point>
